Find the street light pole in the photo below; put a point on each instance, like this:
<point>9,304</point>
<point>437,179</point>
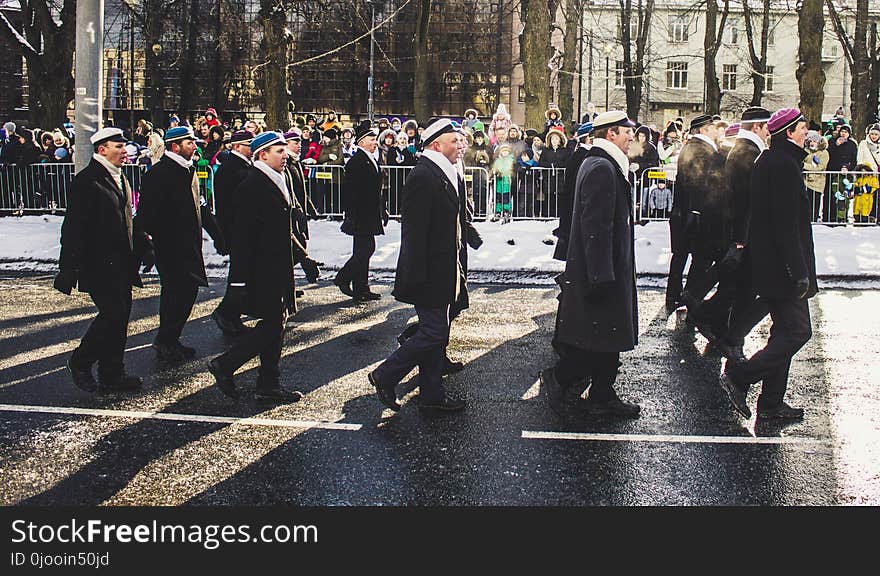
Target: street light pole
<point>87,77</point>
<point>372,52</point>
<point>607,62</point>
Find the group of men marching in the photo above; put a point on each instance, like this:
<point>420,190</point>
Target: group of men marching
<point>742,217</point>
<point>261,222</point>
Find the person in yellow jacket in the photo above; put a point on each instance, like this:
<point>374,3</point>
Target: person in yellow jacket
<point>866,186</point>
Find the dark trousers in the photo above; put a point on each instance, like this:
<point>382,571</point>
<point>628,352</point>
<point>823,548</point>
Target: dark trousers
<point>425,349</point>
<point>104,341</point>
<point>228,308</point>
<point>357,269</point>
<point>748,309</point>
<point>176,302</point>
<point>596,370</point>
<point>788,334</point>
<point>676,271</point>
<point>263,341</point>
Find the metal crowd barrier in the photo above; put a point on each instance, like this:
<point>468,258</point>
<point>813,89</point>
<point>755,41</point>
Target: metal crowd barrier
<point>529,194</point>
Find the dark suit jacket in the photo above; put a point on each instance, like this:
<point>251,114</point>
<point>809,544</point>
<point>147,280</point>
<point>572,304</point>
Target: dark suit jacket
<point>738,173</point>
<point>699,187</point>
<point>566,201</point>
<point>227,178</point>
<point>427,267</point>
<point>362,197</point>
<point>261,256</point>
<point>98,238</point>
<point>781,236</point>
<point>299,220</point>
<point>167,211</point>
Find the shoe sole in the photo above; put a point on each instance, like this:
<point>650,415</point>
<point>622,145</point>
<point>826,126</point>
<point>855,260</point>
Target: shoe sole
<point>89,387</point>
<point>391,403</point>
<point>555,403</point>
<point>230,392</point>
<point>727,385</point>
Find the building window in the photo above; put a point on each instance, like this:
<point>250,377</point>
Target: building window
<point>633,31</point>
<point>521,95</point>
<point>676,74</point>
<point>768,79</point>
<point>728,77</point>
<point>678,28</point>
<point>618,74</point>
<point>771,32</point>
<point>733,31</point>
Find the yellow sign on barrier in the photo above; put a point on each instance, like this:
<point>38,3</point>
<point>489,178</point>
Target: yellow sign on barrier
<point>202,175</point>
<point>468,178</point>
<point>657,174</point>
<point>323,176</point>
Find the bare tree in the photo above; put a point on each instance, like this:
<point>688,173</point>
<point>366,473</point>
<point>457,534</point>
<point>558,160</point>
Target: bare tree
<point>535,56</point>
<point>711,44</point>
<point>568,72</point>
<point>810,74</point>
<point>275,45</point>
<point>856,52</point>
<point>758,56</point>
<point>421,83</point>
<point>47,45</point>
<point>634,69</point>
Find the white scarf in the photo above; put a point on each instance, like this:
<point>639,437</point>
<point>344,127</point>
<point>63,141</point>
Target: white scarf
<point>274,176</point>
<point>242,156</point>
<point>752,137</point>
<point>179,159</point>
<point>115,171</point>
<point>615,152</point>
<point>444,164</point>
<point>705,138</point>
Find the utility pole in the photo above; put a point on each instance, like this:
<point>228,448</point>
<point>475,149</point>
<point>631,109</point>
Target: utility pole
<point>88,72</point>
<point>590,77</point>
<point>580,66</point>
<point>372,51</point>
<point>131,72</point>
<point>607,72</point>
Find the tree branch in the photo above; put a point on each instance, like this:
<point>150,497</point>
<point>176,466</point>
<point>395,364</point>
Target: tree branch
<point>841,32</point>
<point>10,32</point>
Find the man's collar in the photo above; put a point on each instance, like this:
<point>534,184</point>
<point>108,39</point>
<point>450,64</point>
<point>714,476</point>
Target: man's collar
<point>184,163</point>
<point>752,137</point>
<point>706,139</point>
<point>444,164</point>
<point>616,153</point>
<point>242,156</point>
<point>115,171</point>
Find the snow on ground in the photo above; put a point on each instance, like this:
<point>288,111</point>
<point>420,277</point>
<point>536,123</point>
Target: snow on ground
<point>32,243</point>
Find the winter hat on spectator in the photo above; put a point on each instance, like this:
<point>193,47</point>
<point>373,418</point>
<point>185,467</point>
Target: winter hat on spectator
<point>60,153</point>
<point>814,136</point>
<point>471,111</point>
<point>241,137</point>
<point>346,130</point>
<point>583,130</point>
<point>783,119</point>
<point>873,128</point>
<point>211,111</point>
<point>478,125</point>
<point>266,139</point>
<point>363,130</point>
<point>846,127</point>
<point>9,127</point>
<point>479,134</point>
<point>179,133</point>
<point>173,118</point>
<point>386,133</point>
<point>331,133</point>
<point>551,110</point>
<point>531,133</point>
<point>410,124</point>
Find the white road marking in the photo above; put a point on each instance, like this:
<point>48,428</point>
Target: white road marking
<point>270,422</point>
<point>673,438</point>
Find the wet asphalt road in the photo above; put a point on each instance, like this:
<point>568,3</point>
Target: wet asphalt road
<point>688,447</point>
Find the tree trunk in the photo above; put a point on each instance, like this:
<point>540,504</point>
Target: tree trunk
<point>758,57</point>
<point>276,42</point>
<point>860,70</point>
<point>535,57</point>
<point>48,50</point>
<point>634,68</point>
<point>568,73</point>
<point>421,81</point>
<point>711,42</point>
<point>873,104</point>
<point>188,69</point>
<point>810,75</point>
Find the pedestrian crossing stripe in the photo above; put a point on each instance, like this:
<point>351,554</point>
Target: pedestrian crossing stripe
<point>671,438</point>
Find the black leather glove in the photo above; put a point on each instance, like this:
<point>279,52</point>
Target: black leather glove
<point>385,217</point>
<point>238,296</point>
<point>599,293</point>
<point>474,240</point>
<point>220,246</point>
<point>310,267</point>
<point>802,286</point>
<point>732,258</point>
<point>65,281</point>
<point>148,260</point>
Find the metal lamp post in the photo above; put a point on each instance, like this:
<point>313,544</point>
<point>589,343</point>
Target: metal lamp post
<point>607,50</point>
<point>372,52</point>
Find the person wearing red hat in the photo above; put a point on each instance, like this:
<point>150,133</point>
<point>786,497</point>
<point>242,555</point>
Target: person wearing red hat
<point>211,118</point>
<point>783,266</point>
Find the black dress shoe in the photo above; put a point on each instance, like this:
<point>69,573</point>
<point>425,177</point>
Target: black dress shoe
<point>736,395</point>
<point>228,326</point>
<point>385,393</point>
<point>781,412</point>
<point>82,377</point>
<point>445,404</point>
<point>344,287</point>
<point>554,392</point>
<point>367,295</point>
<point>450,367</point>
<point>166,353</point>
<point>277,395</point>
<point>123,383</point>
<point>613,407</point>
<point>408,333</point>
<point>185,351</point>
<point>223,380</point>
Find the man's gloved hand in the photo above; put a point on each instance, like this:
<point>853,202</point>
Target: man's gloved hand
<point>385,217</point>
<point>220,246</point>
<point>237,295</point>
<point>732,258</point>
<point>599,293</point>
<point>65,280</point>
<point>310,267</point>
<point>474,240</point>
<point>802,287</point>
<point>148,260</point>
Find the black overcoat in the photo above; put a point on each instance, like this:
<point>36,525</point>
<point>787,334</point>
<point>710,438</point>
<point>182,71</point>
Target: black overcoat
<point>99,240</point>
<point>780,235</point>
<point>565,200</point>
<point>738,174</point>
<point>299,219</point>
<point>427,267</point>
<point>699,188</point>
<point>600,251</point>
<point>362,197</point>
<point>262,254</point>
<point>171,212</point>
<point>226,180</point>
